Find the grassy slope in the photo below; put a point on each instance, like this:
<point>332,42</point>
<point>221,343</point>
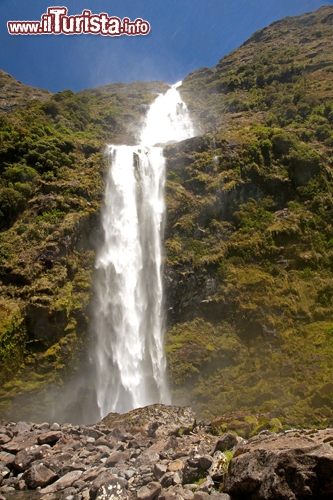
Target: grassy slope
<point>249,241</point>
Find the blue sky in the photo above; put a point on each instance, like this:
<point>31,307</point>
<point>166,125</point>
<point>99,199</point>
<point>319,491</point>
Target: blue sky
<point>185,35</point>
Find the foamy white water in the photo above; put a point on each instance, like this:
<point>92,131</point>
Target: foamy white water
<point>130,356</point>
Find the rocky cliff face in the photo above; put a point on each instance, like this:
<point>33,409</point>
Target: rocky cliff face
<point>248,258</point>
<point>248,241</point>
<point>14,93</point>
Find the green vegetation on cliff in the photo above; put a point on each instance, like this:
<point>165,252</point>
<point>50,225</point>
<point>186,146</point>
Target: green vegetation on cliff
<point>51,186</point>
<point>249,240</point>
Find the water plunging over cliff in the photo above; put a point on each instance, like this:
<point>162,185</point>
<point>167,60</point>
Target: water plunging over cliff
<point>129,318</point>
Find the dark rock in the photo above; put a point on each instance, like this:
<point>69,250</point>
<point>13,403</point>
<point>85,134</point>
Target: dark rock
<point>104,451</point>
<point>108,440</point>
<point>195,467</point>
<point>4,439</point>
<point>117,457</point>
<point>11,481</point>
<point>193,461</point>
<point>68,493</point>
<point>121,435</point>
<point>72,466</point>
<point>152,428</point>
<point>21,441</point>
<point>7,458</point>
<point>91,474</point>
<point>289,466</point>
<point>4,472</point>
<point>25,457</point>
<point>64,482</point>
<point>166,480</point>
<point>21,485</point>
<point>145,479</point>
<point>225,442</point>
<point>103,442</point>
<point>205,462</point>
<point>133,444</point>
<point>73,431</point>
<point>191,474</point>
<point>149,492</point>
<point>50,437</point>
<point>56,463</point>
<point>91,432</point>
<point>79,484</point>
<point>38,475</point>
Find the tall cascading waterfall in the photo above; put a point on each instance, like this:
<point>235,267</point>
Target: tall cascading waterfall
<point>130,359</point>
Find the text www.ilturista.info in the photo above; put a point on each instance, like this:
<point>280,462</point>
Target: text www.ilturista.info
<point>56,22</point>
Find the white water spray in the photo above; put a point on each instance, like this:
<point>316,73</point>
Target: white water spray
<point>129,318</point>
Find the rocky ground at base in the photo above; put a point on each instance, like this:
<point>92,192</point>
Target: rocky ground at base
<point>161,453</point>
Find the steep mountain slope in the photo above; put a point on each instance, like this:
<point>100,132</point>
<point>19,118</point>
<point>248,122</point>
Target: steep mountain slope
<point>52,165</point>
<point>14,93</point>
<point>249,237</point>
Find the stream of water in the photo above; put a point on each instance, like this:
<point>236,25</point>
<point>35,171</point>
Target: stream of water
<point>130,358</point>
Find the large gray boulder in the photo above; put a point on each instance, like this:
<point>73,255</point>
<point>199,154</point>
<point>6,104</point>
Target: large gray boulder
<point>292,466</point>
<point>39,475</point>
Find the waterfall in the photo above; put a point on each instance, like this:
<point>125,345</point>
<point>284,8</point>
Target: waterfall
<point>130,359</point>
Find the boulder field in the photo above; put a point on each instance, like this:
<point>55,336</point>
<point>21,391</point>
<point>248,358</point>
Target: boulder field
<point>161,452</point>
